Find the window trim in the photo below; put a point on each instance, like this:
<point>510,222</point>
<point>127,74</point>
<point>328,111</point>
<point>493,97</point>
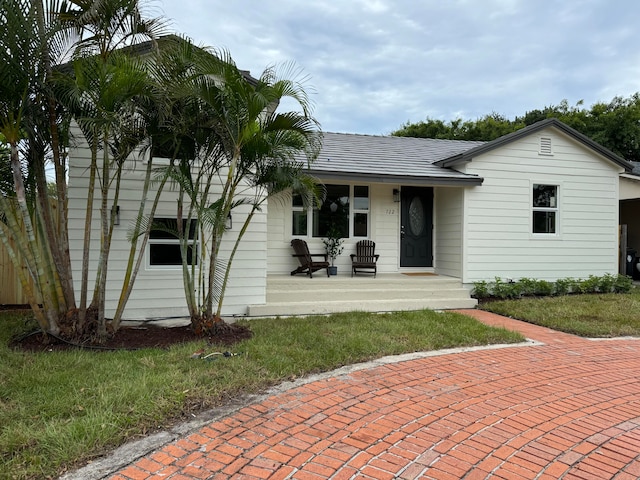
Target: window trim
<point>192,242</point>
<point>556,209</point>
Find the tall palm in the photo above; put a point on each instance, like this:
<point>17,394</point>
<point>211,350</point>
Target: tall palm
<point>25,53</point>
<point>108,81</point>
<point>254,141</point>
<point>34,39</point>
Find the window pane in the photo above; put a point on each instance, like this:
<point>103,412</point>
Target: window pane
<point>300,222</point>
<point>168,254</point>
<point>544,196</point>
<point>360,198</point>
<point>334,212</point>
<point>297,200</point>
<point>360,224</point>
<point>544,222</point>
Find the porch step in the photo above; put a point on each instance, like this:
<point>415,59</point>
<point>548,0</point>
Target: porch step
<point>388,292</point>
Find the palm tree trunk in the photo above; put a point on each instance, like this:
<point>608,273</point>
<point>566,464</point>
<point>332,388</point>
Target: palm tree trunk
<point>101,275</point>
<point>31,241</point>
<point>227,272</point>
<point>132,272</point>
<point>84,286</point>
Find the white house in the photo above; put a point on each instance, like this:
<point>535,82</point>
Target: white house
<point>542,202</point>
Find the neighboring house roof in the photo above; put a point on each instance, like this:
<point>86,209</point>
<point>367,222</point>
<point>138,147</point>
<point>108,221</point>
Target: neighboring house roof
<point>468,155</point>
<point>388,159</point>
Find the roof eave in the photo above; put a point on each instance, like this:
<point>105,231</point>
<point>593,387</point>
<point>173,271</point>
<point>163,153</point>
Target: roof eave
<point>469,180</point>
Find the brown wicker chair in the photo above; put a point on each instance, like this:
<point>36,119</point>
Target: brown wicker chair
<point>365,259</point>
<point>307,265</point>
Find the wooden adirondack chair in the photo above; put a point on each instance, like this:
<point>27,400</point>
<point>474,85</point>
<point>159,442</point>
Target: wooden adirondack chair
<point>307,264</point>
<point>365,259</point>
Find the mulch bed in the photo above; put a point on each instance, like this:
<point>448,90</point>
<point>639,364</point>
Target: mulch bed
<point>134,338</point>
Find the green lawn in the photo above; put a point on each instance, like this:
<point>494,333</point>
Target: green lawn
<point>594,315</point>
<point>60,409</point>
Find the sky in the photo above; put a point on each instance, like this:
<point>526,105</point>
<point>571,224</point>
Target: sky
<point>371,66</point>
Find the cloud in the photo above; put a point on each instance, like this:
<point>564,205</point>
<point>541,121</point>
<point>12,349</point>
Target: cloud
<point>377,64</point>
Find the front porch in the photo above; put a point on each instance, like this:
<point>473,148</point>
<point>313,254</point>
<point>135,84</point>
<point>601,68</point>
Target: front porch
<point>300,295</point>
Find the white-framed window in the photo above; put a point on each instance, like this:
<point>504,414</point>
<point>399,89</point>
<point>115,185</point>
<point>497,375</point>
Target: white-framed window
<point>164,245</point>
<point>545,213</point>
<point>345,209</point>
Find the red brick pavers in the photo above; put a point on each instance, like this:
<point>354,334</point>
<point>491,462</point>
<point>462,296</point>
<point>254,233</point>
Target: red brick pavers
<point>567,408</point>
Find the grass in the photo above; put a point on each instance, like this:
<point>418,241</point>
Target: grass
<point>595,315</point>
<point>60,409</point>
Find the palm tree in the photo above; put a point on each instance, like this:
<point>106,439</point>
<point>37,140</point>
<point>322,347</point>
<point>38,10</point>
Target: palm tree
<point>101,87</point>
<point>105,94</point>
<point>250,146</point>
<point>26,108</point>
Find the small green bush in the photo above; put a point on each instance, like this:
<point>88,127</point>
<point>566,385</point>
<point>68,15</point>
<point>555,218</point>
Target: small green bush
<point>528,286</point>
<point>507,289</point>
<point>606,283</point>
<point>481,289</point>
<point>564,286</point>
<point>623,284</point>
<point>590,285</point>
<point>544,288</point>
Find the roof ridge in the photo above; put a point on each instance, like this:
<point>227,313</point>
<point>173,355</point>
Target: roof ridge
<point>370,135</point>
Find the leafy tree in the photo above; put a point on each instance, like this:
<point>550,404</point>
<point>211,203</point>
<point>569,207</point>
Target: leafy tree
<point>615,125</point>
<point>486,128</point>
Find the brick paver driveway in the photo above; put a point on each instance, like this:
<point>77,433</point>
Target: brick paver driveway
<point>566,408</point>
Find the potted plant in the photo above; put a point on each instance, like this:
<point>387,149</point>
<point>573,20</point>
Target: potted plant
<point>333,246</point>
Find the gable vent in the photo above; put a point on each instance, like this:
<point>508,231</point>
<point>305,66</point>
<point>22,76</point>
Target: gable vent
<point>545,146</point>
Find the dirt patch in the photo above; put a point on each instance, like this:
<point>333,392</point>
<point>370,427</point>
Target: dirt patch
<point>134,338</point>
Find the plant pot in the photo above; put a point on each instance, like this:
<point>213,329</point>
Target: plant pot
<point>333,270</point>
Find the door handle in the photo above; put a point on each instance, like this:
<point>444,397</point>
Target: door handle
<point>402,231</point>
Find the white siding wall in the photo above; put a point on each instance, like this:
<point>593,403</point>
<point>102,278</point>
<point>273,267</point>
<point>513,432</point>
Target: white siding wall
<point>629,188</point>
<point>498,238</point>
<point>448,231</point>
<point>384,216</point>
<point>159,292</point>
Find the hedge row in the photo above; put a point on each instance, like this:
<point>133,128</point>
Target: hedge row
<point>530,287</point>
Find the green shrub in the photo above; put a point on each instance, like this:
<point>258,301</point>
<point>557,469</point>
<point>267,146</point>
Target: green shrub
<point>481,289</point>
<point>564,286</point>
<point>622,284</point>
<point>527,286</point>
<point>606,283</point>
<point>590,285</point>
<point>544,288</point>
<point>503,289</point>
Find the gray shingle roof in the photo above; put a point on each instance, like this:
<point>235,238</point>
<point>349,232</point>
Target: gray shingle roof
<point>391,159</point>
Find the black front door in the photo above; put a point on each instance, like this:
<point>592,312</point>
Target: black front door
<point>416,227</point>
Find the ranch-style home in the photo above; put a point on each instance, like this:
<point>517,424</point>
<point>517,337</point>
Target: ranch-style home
<point>542,203</point>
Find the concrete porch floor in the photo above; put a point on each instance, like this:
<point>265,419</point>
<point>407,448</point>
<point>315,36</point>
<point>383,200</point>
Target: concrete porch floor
<point>300,295</point>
